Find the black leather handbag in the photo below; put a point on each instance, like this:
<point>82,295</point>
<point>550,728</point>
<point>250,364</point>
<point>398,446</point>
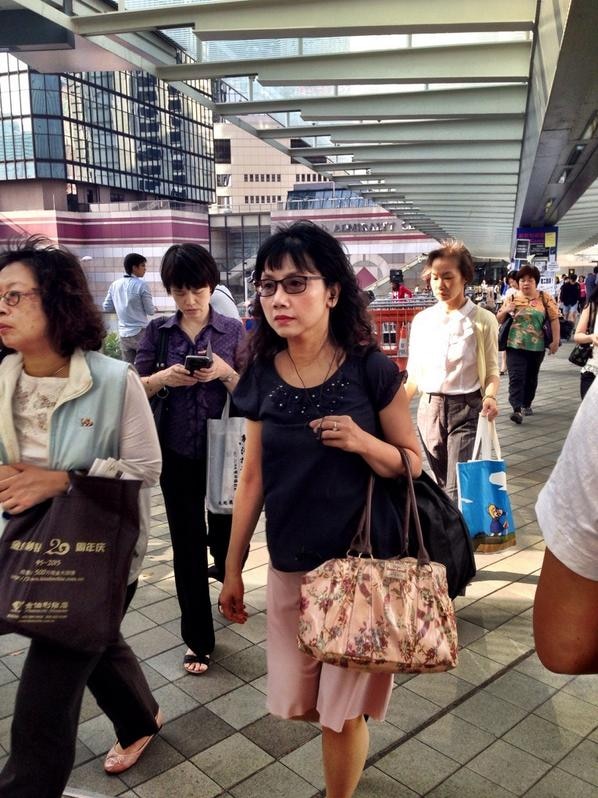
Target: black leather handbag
<point>581,353</point>
<point>503,333</point>
<point>159,402</point>
<point>445,533</point>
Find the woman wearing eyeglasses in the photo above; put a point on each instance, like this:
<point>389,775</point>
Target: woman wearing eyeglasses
<point>324,408</point>
<point>53,381</point>
<point>190,274</point>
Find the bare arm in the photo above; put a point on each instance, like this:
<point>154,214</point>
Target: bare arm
<point>565,628</point>
<point>249,499</point>
<point>582,334</point>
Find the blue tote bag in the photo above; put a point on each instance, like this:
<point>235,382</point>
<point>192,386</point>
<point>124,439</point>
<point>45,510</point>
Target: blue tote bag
<point>483,496</point>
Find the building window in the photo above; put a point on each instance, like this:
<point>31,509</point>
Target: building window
<point>223,181</point>
<point>222,150</point>
<point>245,178</point>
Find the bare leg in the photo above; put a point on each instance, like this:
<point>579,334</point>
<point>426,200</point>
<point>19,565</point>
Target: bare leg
<point>344,755</point>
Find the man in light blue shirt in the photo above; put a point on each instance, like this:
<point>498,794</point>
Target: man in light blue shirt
<point>131,300</point>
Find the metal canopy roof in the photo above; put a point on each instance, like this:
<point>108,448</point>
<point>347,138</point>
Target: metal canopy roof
<point>465,135</point>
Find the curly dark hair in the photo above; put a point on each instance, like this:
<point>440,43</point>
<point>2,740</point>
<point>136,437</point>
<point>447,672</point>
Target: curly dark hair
<point>312,250</point>
<point>74,321</point>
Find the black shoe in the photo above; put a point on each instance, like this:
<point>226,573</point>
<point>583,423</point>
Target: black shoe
<point>215,573</point>
<point>517,416</point>
<point>527,411</point>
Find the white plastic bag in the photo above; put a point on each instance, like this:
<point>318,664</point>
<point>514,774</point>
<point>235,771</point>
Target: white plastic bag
<point>226,449</point>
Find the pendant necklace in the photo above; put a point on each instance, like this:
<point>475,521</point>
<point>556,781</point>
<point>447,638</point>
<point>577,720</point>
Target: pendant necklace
<point>310,398</point>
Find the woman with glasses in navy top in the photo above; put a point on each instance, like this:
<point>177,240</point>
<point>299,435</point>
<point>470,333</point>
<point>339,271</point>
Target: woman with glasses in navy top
<point>324,408</point>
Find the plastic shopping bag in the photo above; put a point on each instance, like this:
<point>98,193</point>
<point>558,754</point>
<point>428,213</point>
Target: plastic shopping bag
<point>483,497</point>
<point>226,449</point>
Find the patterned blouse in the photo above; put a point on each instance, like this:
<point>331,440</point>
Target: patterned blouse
<point>526,330</point>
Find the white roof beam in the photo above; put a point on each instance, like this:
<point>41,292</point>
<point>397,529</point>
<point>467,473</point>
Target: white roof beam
<point>408,152</point>
<point>453,130</point>
<point>439,179</point>
<point>269,19</point>
<point>492,101</point>
<point>501,62</point>
<point>386,168</point>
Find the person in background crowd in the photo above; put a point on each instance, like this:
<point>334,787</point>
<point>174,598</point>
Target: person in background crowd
<point>525,345</point>
<point>324,407</point>
<point>569,297</point>
<point>400,291</point>
<point>56,376</point>
<point>585,335</point>
<point>582,294</point>
<point>510,288</point>
<point>190,274</point>
<point>453,361</point>
<point>591,281</point>
<point>565,619</point>
<point>131,299</point>
<point>224,303</point>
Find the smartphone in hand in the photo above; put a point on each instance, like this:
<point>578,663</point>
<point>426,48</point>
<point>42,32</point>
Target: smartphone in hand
<point>196,362</point>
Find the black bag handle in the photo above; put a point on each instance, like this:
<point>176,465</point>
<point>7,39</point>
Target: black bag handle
<point>161,359</point>
<point>362,542</point>
<point>162,349</point>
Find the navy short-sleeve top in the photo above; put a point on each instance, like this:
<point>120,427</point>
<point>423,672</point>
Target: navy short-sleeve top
<point>314,494</point>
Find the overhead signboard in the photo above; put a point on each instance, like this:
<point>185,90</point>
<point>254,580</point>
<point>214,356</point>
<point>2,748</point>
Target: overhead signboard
<point>522,248</point>
<point>543,242</point>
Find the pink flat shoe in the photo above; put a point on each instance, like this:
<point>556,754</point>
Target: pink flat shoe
<point>120,759</point>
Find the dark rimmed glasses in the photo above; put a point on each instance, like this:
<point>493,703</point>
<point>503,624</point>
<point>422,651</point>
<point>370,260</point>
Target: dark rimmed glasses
<point>294,284</point>
<point>12,298</point>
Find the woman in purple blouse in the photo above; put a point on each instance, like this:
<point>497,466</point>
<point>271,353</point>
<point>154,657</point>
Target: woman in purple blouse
<point>190,274</point>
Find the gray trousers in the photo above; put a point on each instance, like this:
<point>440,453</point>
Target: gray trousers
<point>447,426</point>
<point>129,346</point>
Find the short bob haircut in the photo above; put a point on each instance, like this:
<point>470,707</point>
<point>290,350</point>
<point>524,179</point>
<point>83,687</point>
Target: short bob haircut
<point>529,271</point>
<point>514,275</point>
<point>312,250</point>
<point>74,321</point>
<point>188,266</point>
<point>458,252</point>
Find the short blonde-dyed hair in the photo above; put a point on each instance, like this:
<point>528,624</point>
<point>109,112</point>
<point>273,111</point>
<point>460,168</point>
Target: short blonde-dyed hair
<point>450,248</point>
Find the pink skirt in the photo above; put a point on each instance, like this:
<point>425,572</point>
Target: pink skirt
<point>297,683</point>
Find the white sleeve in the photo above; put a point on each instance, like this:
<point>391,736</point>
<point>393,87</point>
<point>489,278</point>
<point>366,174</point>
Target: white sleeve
<point>567,507</point>
<point>140,453</point>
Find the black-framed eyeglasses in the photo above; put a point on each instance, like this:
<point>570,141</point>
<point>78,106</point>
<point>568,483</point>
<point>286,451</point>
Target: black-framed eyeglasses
<point>12,298</point>
<point>294,284</point>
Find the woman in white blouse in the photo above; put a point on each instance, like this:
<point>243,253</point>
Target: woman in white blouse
<point>453,362</point>
<point>62,405</point>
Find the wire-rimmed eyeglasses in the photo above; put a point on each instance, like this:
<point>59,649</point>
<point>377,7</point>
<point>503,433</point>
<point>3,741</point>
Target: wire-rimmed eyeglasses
<point>12,298</point>
<point>293,284</point>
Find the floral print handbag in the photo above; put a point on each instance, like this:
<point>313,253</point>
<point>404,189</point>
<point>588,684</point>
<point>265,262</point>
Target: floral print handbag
<point>392,616</point>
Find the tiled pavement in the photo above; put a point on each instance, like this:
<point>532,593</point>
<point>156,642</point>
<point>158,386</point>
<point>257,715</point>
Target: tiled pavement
<point>498,725</point>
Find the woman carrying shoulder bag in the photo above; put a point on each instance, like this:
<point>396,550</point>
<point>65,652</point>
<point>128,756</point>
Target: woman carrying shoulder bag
<point>318,397</point>
<point>526,345</point>
<point>62,405</point>
<point>585,335</point>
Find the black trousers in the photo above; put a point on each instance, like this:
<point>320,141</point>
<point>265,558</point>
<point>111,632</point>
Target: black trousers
<point>183,484</point>
<point>523,367</point>
<point>585,380</point>
<point>47,708</point>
